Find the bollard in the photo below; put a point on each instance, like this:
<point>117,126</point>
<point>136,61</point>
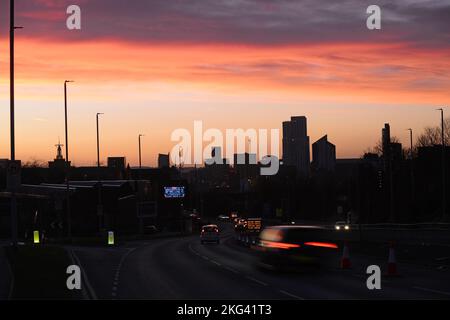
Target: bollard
<point>110,238</point>
<point>36,239</point>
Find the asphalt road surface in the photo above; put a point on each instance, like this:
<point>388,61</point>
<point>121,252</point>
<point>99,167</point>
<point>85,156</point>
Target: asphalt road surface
<point>182,268</point>
<point>5,275</point>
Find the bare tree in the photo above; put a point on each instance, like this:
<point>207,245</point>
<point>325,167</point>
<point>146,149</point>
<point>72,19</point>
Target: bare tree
<point>432,135</point>
<point>34,163</point>
<point>378,148</point>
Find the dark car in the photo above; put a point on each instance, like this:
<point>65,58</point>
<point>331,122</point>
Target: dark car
<point>296,247</point>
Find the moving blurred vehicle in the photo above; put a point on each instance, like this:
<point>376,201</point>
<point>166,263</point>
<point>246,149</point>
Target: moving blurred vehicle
<point>342,225</point>
<point>210,233</point>
<point>295,247</point>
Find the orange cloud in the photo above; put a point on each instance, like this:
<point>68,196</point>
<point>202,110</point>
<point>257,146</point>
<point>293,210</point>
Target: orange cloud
<point>160,81</point>
<point>376,72</point>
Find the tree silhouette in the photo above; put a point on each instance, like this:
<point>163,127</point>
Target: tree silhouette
<point>432,135</point>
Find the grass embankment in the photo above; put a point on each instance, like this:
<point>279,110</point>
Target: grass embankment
<point>40,273</point>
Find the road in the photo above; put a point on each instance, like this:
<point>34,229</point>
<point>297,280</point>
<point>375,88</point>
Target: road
<point>182,268</point>
<point>5,275</point>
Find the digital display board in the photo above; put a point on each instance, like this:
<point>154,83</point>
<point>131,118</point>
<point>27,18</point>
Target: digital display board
<point>174,192</point>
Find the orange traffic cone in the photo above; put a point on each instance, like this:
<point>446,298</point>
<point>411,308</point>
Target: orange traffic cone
<point>392,262</point>
<point>345,261</point>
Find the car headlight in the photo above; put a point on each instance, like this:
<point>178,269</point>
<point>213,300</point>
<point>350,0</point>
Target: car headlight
<point>337,227</point>
<point>347,227</point>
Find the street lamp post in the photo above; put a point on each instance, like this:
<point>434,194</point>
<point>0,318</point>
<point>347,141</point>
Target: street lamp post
<point>14,232</point>
<point>99,201</point>
<point>69,219</point>
<point>444,192</point>
<point>140,153</point>
<point>411,164</point>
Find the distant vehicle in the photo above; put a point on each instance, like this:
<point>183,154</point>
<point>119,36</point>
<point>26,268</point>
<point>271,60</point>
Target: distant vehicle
<point>342,225</point>
<point>223,217</point>
<point>210,233</point>
<point>233,215</point>
<point>295,247</point>
<point>150,229</point>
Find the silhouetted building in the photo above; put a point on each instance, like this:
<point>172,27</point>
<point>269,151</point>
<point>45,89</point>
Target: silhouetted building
<point>216,152</point>
<point>296,145</point>
<point>163,161</point>
<point>117,162</point>
<point>59,162</point>
<point>216,157</point>
<point>324,155</point>
<point>244,159</point>
<point>428,175</point>
<point>392,157</point>
<point>246,166</point>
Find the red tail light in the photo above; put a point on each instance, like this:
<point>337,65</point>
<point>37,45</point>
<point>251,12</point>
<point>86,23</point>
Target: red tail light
<point>321,244</point>
<point>279,245</point>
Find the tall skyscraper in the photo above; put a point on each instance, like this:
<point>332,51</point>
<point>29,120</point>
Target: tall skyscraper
<point>296,145</point>
<point>163,160</point>
<point>324,154</point>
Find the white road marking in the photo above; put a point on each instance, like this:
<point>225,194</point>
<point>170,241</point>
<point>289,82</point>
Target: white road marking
<point>257,281</point>
<point>231,270</point>
<point>118,269</point>
<point>291,295</point>
<point>216,263</point>
<point>433,291</point>
<point>442,258</point>
<point>84,275</point>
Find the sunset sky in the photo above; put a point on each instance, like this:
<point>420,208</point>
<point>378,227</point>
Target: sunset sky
<point>153,66</point>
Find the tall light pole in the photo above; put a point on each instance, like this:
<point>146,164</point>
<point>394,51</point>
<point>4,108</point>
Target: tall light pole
<point>99,201</point>
<point>69,219</point>
<point>140,153</point>
<point>12,28</point>
<point>98,140</point>
<point>444,192</point>
<point>412,164</point>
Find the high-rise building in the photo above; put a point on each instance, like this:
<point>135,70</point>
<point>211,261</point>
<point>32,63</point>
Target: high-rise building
<point>163,160</point>
<point>117,162</point>
<point>216,152</point>
<point>324,154</point>
<point>296,144</point>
